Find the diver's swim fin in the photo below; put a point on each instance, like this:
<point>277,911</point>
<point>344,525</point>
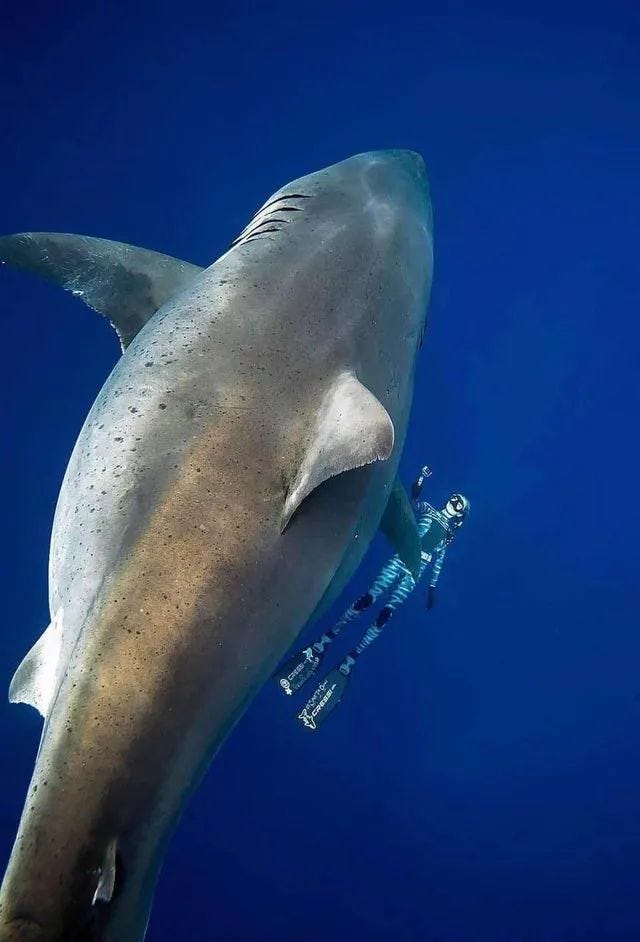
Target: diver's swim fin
<point>325,699</point>
<point>299,669</point>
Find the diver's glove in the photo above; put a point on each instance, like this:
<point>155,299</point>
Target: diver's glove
<point>431,597</point>
<point>416,487</point>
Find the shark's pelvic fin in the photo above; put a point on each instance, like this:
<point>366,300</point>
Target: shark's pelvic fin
<point>352,428</point>
<point>35,680</point>
<point>107,879</point>
<point>125,283</point>
<point>400,527</point>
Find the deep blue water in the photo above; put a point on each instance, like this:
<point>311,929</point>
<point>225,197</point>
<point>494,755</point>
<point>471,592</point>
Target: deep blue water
<point>481,781</point>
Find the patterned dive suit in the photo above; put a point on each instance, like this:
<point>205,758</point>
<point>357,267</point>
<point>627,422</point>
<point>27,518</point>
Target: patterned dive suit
<point>435,534</point>
<point>436,529</point>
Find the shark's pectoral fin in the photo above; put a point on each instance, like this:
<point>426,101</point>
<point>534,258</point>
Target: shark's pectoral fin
<point>125,283</point>
<point>35,680</point>
<point>400,527</point>
<point>352,428</point>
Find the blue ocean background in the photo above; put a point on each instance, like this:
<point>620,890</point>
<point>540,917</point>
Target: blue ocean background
<point>481,780</point>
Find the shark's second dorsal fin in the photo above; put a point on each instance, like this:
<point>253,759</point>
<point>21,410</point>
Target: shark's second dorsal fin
<point>352,428</point>
<point>400,527</point>
<point>107,875</point>
<point>125,283</point>
<point>35,680</point>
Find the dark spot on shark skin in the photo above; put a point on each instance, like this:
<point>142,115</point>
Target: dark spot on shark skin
<point>162,405</point>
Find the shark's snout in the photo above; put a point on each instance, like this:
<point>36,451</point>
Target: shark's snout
<point>396,179</point>
<point>410,160</point>
<point>398,163</point>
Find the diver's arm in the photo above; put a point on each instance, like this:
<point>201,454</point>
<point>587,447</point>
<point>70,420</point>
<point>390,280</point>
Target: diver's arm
<point>435,575</point>
<point>416,487</point>
<point>437,566</point>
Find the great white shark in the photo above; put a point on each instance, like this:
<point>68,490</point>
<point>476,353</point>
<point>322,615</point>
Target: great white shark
<point>225,484</point>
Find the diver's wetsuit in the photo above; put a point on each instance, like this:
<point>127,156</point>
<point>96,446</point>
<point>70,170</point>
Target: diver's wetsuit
<point>435,533</point>
<point>436,529</point>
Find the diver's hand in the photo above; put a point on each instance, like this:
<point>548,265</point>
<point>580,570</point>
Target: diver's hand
<point>431,597</point>
<point>416,487</point>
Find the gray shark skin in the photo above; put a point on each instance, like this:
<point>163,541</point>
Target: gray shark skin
<point>228,478</point>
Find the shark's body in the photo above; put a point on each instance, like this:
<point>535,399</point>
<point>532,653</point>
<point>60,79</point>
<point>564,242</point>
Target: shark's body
<point>182,564</point>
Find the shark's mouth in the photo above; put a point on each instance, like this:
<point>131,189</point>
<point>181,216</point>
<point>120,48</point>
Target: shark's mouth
<point>272,217</point>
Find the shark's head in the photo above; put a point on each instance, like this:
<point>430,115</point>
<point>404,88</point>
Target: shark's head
<point>352,245</point>
<point>392,184</point>
<point>397,203</point>
<point>375,209</point>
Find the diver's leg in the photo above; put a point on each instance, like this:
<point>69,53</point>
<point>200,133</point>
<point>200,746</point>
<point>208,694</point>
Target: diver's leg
<point>330,691</point>
<point>371,634</point>
<point>404,588</point>
<point>388,576</point>
<point>299,668</point>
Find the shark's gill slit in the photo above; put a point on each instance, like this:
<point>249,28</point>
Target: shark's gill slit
<point>254,238</point>
<point>257,230</point>
<point>266,211</point>
<point>271,220</point>
<point>285,196</point>
<point>262,231</point>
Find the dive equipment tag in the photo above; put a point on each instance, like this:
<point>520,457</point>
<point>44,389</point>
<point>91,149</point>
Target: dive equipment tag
<point>298,669</point>
<point>325,699</point>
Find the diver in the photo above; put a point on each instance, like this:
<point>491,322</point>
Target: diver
<point>437,529</point>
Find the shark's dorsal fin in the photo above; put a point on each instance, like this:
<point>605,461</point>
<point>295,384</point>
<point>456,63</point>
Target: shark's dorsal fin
<point>351,429</point>
<point>35,680</point>
<point>400,527</point>
<point>107,879</point>
<point>125,283</point>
